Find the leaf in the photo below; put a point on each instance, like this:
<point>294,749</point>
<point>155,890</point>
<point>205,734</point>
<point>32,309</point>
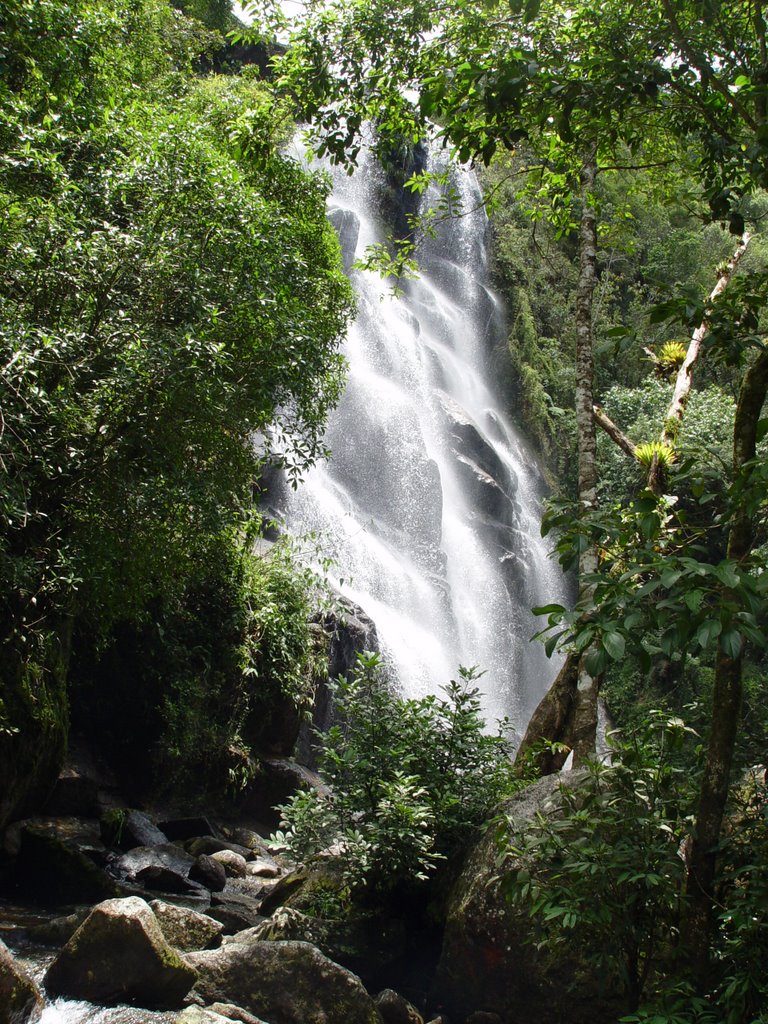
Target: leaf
<point>547,609</point>
<point>708,631</point>
<point>615,645</point>
<point>693,599</point>
<point>596,661</point>
<point>730,643</point>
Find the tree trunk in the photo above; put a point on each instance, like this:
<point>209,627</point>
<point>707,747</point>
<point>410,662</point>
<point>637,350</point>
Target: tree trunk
<point>726,705</point>
<point>674,417</point>
<point>584,734</point>
<point>567,714</point>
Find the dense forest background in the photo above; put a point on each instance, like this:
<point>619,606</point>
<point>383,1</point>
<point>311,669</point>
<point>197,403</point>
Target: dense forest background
<point>172,306</point>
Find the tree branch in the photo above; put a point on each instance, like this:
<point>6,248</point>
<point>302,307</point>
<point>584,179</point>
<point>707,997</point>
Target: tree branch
<point>615,433</point>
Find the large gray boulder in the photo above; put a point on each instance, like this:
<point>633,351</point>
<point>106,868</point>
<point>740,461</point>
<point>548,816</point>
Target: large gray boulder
<point>284,982</point>
<point>119,954</point>
<point>488,962</point>
<point>20,999</point>
<point>185,929</point>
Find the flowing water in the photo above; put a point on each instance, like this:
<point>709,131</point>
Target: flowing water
<point>430,502</point>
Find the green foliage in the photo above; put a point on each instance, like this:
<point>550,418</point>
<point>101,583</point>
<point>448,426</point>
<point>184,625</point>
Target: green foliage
<point>172,302</point>
<point>180,700</point>
<point>605,871</point>
<point>605,866</point>
<point>410,781</point>
<point>646,452</point>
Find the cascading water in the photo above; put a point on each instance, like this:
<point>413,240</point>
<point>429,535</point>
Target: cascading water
<point>430,501</point>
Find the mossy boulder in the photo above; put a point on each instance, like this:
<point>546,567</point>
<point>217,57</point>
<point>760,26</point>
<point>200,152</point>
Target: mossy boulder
<point>185,929</point>
<point>284,982</point>
<point>489,961</point>
<point>20,999</point>
<point>119,954</point>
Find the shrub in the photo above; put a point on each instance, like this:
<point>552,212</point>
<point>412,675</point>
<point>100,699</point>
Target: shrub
<point>410,780</point>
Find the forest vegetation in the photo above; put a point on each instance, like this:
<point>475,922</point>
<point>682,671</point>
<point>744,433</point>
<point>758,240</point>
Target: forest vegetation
<point>172,306</point>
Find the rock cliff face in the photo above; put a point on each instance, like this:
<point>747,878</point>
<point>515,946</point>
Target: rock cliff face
<point>489,962</point>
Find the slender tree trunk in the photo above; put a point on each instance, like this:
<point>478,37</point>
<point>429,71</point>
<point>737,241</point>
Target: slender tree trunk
<point>726,705</point>
<point>674,417</point>
<point>587,687</point>
<point>567,713</point>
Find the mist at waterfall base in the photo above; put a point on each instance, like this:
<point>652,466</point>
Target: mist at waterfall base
<point>430,502</point>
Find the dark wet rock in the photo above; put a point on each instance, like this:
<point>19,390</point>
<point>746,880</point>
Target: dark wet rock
<point>486,493</point>
<point>235,911</point>
<point>166,856</point>
<point>208,872</point>
<point>284,982</point>
<point>188,828</point>
<point>59,860</point>
<point>20,998</point>
<point>366,944</point>
<point>58,930</point>
<point>157,878</point>
<point>347,227</point>
<point>394,1009</point>
<point>245,838</point>
<point>233,863</point>
<point>140,830</point>
<point>278,780</point>
<point>488,961</point>
<point>347,631</point>
<point>186,929</point>
<point>119,954</point>
<point>210,845</point>
<point>481,1017</point>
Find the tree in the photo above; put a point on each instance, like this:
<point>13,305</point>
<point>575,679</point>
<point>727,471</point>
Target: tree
<point>580,86</point>
<point>490,78</point>
<point>169,287</point>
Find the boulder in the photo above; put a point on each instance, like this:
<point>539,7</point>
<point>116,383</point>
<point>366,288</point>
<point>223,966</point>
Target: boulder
<point>488,962</point>
<point>139,830</point>
<point>20,998</point>
<point>236,911</point>
<point>119,954</point>
<point>347,226</point>
<point>262,867</point>
<point>157,878</point>
<point>278,779</point>
<point>284,982</point>
<point>366,944</point>
<point>208,872</point>
<point>167,856</point>
<point>75,793</point>
<point>241,837</point>
<point>58,930</point>
<point>394,1009</point>
<point>186,929</point>
<point>235,1013</point>
<point>218,1013</point>
<point>233,863</point>
<point>210,845</point>
<point>58,860</point>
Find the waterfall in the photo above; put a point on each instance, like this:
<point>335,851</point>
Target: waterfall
<point>430,503</point>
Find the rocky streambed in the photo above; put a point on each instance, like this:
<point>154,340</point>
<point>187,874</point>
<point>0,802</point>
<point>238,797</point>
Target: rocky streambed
<point>129,920</point>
